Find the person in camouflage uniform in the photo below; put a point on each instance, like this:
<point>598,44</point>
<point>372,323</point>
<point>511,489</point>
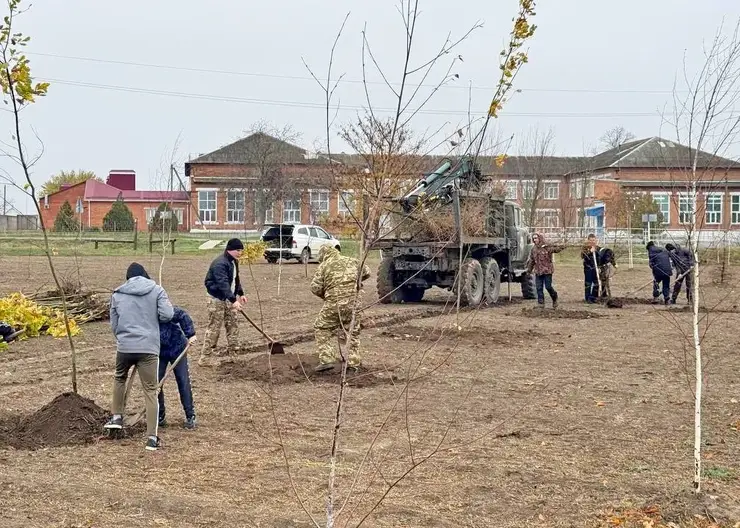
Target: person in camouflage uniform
<point>335,281</point>
<point>225,298</point>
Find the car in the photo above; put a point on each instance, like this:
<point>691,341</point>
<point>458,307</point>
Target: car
<point>299,242</point>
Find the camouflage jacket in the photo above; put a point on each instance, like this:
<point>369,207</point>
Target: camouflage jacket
<point>335,280</point>
<point>540,259</point>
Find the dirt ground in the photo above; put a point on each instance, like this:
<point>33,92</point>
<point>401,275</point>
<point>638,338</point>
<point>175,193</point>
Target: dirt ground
<point>504,416</point>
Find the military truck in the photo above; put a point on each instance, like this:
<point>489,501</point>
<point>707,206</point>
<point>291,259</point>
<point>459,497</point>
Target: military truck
<point>450,231</point>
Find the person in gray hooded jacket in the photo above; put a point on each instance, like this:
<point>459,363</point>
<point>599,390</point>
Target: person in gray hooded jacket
<point>136,309</point>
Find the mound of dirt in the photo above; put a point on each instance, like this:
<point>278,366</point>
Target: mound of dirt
<point>69,419</point>
<point>297,368</point>
<point>628,300</point>
<point>560,313</point>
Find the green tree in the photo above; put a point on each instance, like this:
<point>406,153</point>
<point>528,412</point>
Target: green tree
<point>644,204</point>
<point>164,220</point>
<point>119,218</point>
<point>55,183</point>
<point>65,220</point>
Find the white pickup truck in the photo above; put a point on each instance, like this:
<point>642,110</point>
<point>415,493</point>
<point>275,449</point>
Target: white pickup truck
<point>295,241</point>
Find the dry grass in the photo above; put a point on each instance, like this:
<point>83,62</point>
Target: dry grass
<point>555,422</point>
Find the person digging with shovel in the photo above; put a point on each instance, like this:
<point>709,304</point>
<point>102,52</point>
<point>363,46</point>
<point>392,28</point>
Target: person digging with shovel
<point>225,298</point>
<point>174,337</point>
<point>660,264</point>
<point>335,281</point>
<point>683,261</point>
<point>591,279</point>
<point>136,309</point>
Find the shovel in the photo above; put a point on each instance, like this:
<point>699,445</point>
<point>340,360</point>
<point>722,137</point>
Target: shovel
<point>274,347</point>
<point>129,421</point>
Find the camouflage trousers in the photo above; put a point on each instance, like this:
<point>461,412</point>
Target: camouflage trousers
<point>220,314</point>
<point>330,320</point>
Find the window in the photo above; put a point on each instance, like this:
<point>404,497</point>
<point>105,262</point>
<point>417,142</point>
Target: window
<point>322,234</point>
<point>713,212</point>
<point>685,208</point>
<point>663,201</point>
<point>292,211</point>
<point>511,190</point>
<point>735,208</point>
<point>528,188</point>
<point>548,218</point>
<point>263,208</point>
<point>235,207</point>
<point>582,189</point>
<point>551,190</point>
<point>303,231</point>
<point>319,201</point>
<point>179,214</point>
<point>207,206</point>
<point>346,203</point>
<point>150,212</point>
<point>312,232</point>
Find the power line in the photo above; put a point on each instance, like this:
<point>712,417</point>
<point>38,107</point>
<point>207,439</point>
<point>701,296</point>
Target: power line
<point>322,106</point>
<point>344,80</point>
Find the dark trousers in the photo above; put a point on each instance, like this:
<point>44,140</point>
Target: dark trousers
<point>689,280</point>
<point>661,283</point>
<point>544,282</point>
<point>182,377</point>
<point>591,285</point>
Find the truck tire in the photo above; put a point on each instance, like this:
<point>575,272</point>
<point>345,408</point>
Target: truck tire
<point>491,280</point>
<point>385,282</point>
<point>471,283</point>
<point>528,288</point>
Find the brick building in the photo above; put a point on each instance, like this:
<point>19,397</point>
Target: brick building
<point>260,179</point>
<point>92,199</point>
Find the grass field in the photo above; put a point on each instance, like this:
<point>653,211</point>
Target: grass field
<point>579,417</point>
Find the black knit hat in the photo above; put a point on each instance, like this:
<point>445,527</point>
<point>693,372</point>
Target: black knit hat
<point>234,244</point>
<point>136,270</point>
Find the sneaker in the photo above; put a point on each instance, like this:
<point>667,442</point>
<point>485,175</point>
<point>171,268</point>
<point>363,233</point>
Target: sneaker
<point>555,305</point>
<point>152,444</point>
<point>673,301</point>
<point>162,421</point>
<point>114,423</point>
<point>189,423</point>
<point>322,367</point>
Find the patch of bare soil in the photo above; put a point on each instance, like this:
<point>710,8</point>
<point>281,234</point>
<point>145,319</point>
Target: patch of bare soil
<point>474,336</point>
<point>298,368</point>
<point>544,313</point>
<point>627,300</point>
<point>69,419</point>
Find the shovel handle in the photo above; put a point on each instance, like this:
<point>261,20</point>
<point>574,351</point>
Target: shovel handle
<point>256,327</point>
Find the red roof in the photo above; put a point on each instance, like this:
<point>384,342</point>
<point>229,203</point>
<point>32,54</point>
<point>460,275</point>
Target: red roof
<point>98,191</point>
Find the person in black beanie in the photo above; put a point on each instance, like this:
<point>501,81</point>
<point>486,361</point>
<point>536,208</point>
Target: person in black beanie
<point>136,309</point>
<point>225,297</point>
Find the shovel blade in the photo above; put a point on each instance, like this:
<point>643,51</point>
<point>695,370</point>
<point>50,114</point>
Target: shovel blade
<point>276,348</point>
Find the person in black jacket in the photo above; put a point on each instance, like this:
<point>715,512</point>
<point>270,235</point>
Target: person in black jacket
<point>174,336</point>
<point>660,264</point>
<point>589,254</point>
<point>683,261</point>
<point>225,297</point>
<point>607,266</point>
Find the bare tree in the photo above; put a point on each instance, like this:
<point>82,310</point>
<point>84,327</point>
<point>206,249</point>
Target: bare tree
<point>389,155</point>
<point>614,137</point>
<point>706,118</point>
<point>19,91</point>
<point>533,167</point>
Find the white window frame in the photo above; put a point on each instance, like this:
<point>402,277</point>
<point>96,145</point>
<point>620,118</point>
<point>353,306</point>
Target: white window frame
<point>149,213</point>
<point>180,214</point>
<point>552,213</point>
<point>528,189</point>
<point>349,197</point>
<point>313,199</point>
<point>289,213</point>
<point>582,188</point>
<point>511,189</point>
<point>707,212</point>
<point>667,196</point>
<point>734,212</point>
<point>552,184</point>
<point>230,216</point>
<point>215,206</point>
<point>685,198</point>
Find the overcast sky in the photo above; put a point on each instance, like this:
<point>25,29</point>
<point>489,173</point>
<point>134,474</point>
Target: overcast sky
<point>593,65</point>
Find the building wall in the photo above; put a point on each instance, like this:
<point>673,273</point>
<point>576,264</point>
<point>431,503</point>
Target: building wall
<point>94,212</point>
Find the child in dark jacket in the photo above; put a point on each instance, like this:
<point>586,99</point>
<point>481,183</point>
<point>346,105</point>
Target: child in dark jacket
<point>174,336</point>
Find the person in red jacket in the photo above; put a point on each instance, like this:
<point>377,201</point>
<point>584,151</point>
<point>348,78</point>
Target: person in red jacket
<point>540,263</point>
